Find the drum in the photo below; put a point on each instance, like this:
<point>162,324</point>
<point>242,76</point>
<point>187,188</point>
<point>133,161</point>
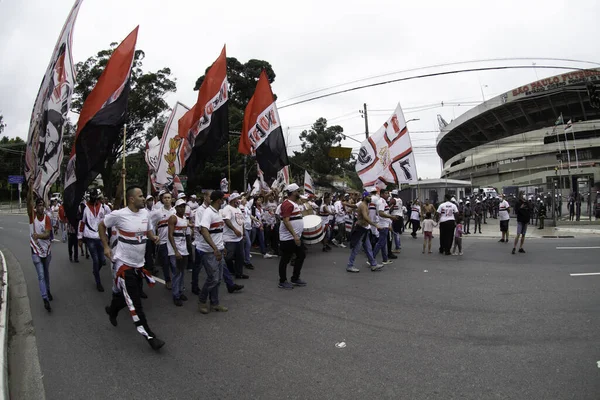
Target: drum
<point>313,229</point>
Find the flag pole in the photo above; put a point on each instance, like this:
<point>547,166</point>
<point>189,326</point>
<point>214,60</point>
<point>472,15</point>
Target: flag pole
<point>229,163</point>
<point>124,173</point>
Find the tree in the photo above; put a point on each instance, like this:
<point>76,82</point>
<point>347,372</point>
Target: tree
<point>12,153</point>
<point>2,124</point>
<point>242,82</point>
<point>146,103</point>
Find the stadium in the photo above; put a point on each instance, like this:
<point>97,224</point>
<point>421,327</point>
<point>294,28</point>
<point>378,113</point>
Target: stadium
<point>524,138</point>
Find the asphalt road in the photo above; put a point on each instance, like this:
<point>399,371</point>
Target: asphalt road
<point>487,325</point>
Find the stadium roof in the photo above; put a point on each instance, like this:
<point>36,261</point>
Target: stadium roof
<point>533,106</point>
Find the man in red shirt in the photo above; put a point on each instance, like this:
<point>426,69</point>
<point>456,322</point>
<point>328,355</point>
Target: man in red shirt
<point>290,232</point>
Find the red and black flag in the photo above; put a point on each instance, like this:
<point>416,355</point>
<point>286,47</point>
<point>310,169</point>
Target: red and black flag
<point>261,133</point>
<point>103,114</point>
<point>205,127</point>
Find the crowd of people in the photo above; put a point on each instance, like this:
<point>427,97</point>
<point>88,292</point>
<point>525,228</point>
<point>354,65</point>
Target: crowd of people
<point>216,232</point>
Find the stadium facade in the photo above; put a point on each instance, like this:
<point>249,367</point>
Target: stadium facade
<point>523,137</point>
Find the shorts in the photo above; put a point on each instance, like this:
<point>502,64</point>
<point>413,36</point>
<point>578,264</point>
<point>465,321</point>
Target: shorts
<point>504,226</point>
<point>428,235</point>
<point>521,228</point>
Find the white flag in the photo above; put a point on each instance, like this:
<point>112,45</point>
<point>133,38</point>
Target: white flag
<point>569,127</point>
<point>387,157</point>
<point>309,186</point>
<point>283,179</point>
<point>44,153</point>
<point>170,159</point>
<point>152,148</point>
<point>255,188</point>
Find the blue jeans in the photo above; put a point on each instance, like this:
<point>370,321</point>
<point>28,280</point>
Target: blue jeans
<point>163,259</point>
<point>214,275</point>
<point>177,272</point>
<point>97,253</point>
<point>261,239</point>
<point>397,240</point>
<point>247,246</point>
<point>359,237</point>
<point>41,267</point>
<point>196,270</point>
<point>382,244</point>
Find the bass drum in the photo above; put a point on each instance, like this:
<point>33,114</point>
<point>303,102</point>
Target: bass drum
<point>313,229</point>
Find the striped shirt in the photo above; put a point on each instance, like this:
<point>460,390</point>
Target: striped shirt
<point>291,210</point>
<point>40,247</point>
<point>132,234</point>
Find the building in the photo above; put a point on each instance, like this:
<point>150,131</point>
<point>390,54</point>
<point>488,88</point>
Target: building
<point>523,137</point>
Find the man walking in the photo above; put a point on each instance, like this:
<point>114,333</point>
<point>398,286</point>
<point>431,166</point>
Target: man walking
<point>504,216</point>
<point>40,228</point>
<point>233,235</point>
<point>160,219</point>
<point>523,216</point>
<point>360,236</point>
<point>178,250</point>
<point>93,214</point>
<point>447,212</point>
<point>290,232</point>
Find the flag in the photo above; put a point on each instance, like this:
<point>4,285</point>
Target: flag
<point>44,152</point>
<point>283,179</point>
<point>309,185</point>
<point>559,120</point>
<point>255,188</point>
<point>205,127</point>
<point>569,127</point>
<point>261,131</point>
<point>151,154</point>
<point>249,189</point>
<point>261,178</point>
<point>102,116</point>
<point>177,186</point>
<point>170,161</point>
<point>387,157</point>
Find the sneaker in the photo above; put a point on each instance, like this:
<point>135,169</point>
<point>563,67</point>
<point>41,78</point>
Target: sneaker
<point>376,267</point>
<point>343,246</point>
<point>521,250</point>
<point>501,240</point>
<point>460,254</point>
<point>219,308</point>
<point>70,259</point>
<point>454,253</point>
<point>352,269</point>
<point>47,305</point>
<point>249,266</point>
<point>76,260</point>
<point>99,287</point>
<point>178,302</point>
<point>50,296</point>
<point>298,282</point>
<point>392,256</point>
<point>242,276</point>
<point>335,242</point>
<point>267,256</point>
<point>183,297</point>
<point>430,252</point>
<point>203,308</point>
<point>196,291</point>
<point>235,288</point>
<point>388,262</point>
<point>143,295</point>
<point>169,285</point>
<point>87,256</point>
<point>112,318</point>
<point>156,343</point>
<point>328,247</point>
<point>514,251</point>
<point>396,251</point>
<point>285,285</point>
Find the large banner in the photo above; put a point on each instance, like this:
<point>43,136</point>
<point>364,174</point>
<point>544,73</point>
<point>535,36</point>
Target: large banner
<point>44,153</point>
<point>387,157</point>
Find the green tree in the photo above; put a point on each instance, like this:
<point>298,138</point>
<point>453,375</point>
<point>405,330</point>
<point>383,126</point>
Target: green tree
<point>242,79</point>
<point>146,103</point>
<point>2,124</point>
<point>12,153</point>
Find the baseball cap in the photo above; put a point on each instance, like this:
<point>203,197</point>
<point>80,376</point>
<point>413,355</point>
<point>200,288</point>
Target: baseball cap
<point>181,196</point>
<point>149,197</point>
<point>394,192</point>
<point>453,199</point>
<point>292,188</point>
<point>234,196</point>
<point>180,202</point>
<point>193,196</point>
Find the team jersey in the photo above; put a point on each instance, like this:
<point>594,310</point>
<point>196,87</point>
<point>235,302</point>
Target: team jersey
<point>40,247</point>
<point>291,210</point>
<point>160,219</point>
<point>197,220</point>
<point>383,222</point>
<point>447,211</point>
<point>503,211</point>
<point>213,221</point>
<point>235,216</point>
<point>179,237</point>
<point>93,214</point>
<point>131,235</point>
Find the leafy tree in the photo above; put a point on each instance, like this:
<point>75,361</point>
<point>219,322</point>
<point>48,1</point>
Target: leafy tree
<point>2,124</point>
<point>11,162</point>
<point>146,103</point>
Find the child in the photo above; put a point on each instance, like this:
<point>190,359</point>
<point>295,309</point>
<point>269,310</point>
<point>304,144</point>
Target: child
<point>458,232</point>
<point>428,225</point>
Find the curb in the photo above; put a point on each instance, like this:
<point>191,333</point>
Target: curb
<point>4,394</point>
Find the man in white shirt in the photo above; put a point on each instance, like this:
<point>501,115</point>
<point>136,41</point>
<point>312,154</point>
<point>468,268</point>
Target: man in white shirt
<point>383,226</point>
<point>290,232</point>
<point>212,245</point>
<point>135,228</point>
<point>150,246</point>
<point>233,235</point>
<point>160,220</point>
<point>397,225</point>
<point>339,208</point>
<point>504,216</point>
<point>197,238</point>
<point>446,212</point>
<point>224,184</point>
<point>193,203</point>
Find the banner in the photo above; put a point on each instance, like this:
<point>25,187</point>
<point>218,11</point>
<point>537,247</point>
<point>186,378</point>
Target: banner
<point>99,126</point>
<point>205,127</point>
<point>170,159</point>
<point>261,131</point>
<point>283,179</point>
<point>386,157</point>
<point>44,152</point>
<point>309,185</point>
<point>151,154</point>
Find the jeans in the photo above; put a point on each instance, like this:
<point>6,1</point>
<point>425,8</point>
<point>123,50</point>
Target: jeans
<point>42,265</point>
<point>382,244</point>
<point>214,275</point>
<point>261,239</point>
<point>397,240</point>
<point>341,231</point>
<point>360,237</point>
<point>235,257</point>
<point>63,228</point>
<point>289,247</point>
<point>178,272</point>
<point>97,253</point>
<point>468,224</point>
<point>247,246</point>
<point>163,259</point>
<point>196,270</point>
<point>73,248</point>
<point>457,243</point>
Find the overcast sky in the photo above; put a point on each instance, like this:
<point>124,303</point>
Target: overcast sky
<point>312,45</point>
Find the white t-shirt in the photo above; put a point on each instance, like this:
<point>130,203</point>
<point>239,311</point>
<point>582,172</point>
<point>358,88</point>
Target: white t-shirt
<point>211,220</point>
<point>132,228</point>
<point>291,210</point>
<point>415,212</point>
<point>397,209</point>
<point>92,215</point>
<point>224,185</point>
<point>247,220</point>
<point>340,211</point>
<point>160,219</point>
<point>179,237</point>
<point>236,217</point>
<point>503,211</point>
<point>197,220</point>
<point>447,211</point>
<point>40,247</point>
<point>382,205</point>
<point>428,225</point>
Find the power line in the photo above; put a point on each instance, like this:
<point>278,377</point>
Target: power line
<point>425,76</point>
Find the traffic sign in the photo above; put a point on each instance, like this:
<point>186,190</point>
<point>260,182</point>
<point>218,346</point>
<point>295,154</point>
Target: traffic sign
<point>16,179</point>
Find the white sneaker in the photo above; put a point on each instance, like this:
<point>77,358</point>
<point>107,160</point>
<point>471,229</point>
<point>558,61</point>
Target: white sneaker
<point>342,245</point>
<point>377,267</point>
<point>334,242</point>
<point>460,254</point>
<point>352,269</point>
<point>388,262</point>
<point>267,256</point>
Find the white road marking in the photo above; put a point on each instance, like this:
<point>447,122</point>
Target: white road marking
<point>158,280</point>
<point>586,274</point>
<point>578,248</point>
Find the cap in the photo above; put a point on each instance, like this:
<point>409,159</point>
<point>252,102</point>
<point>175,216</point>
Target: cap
<point>477,201</point>
<point>394,192</point>
<point>292,188</point>
<point>371,189</point>
<point>453,199</point>
<point>149,198</point>
<point>467,202</point>
<point>193,196</point>
<point>234,196</point>
<point>162,192</point>
<point>181,196</point>
<point>180,202</point>
<point>460,201</point>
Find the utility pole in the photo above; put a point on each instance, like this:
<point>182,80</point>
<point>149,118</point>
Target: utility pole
<point>365,116</point>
